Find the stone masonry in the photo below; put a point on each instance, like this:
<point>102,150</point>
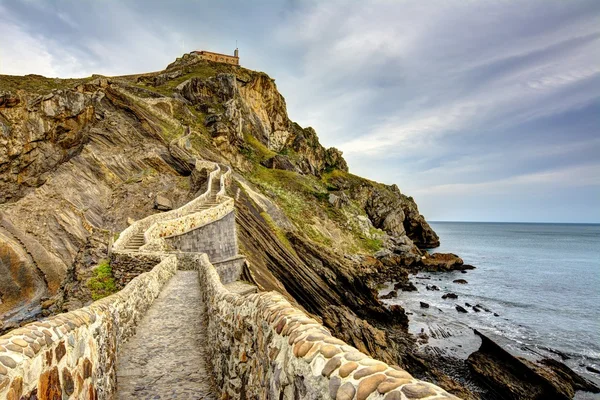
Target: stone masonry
<point>74,355</point>
<point>218,239</point>
<point>206,327</point>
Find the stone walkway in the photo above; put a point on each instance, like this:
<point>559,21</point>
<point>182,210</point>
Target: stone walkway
<point>166,357</point>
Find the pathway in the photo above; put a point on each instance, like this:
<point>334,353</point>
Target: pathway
<point>166,357</point>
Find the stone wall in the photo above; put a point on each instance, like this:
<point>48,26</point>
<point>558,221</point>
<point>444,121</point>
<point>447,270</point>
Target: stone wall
<point>126,266</point>
<point>218,57</point>
<point>144,224</point>
<point>230,270</point>
<point>264,348</point>
<point>182,225</point>
<point>73,355</point>
<point>218,239</point>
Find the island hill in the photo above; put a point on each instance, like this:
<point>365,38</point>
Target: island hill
<point>86,164</point>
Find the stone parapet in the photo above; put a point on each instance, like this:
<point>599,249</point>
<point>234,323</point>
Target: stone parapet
<point>230,270</point>
<point>144,224</point>
<point>184,224</point>
<point>126,266</point>
<point>73,355</point>
<point>217,238</point>
<point>265,348</point>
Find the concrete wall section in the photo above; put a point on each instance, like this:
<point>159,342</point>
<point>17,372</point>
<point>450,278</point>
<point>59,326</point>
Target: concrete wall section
<point>230,270</point>
<point>217,239</point>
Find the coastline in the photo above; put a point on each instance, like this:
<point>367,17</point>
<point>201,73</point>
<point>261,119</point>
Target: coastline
<point>443,332</point>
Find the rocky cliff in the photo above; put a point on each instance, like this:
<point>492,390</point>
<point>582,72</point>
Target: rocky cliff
<point>81,159</point>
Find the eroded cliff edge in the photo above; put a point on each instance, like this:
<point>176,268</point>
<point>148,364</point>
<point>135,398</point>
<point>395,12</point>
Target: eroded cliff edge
<point>80,158</point>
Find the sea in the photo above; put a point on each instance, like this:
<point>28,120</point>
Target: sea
<point>540,285</point>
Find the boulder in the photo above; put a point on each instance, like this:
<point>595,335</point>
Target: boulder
<point>389,295</point>
<point>405,286</point>
<point>441,262</point>
<point>341,199</point>
<point>279,162</point>
<point>460,281</point>
<point>450,296</point>
<point>423,304</point>
<point>162,203</point>
<point>518,378</point>
<point>460,309</point>
<point>432,287</point>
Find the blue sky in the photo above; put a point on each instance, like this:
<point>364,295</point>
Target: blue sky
<point>481,110</point>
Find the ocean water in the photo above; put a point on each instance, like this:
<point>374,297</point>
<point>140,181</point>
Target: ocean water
<point>543,280</point>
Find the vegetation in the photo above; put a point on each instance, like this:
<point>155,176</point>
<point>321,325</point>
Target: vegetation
<point>278,232</point>
<point>37,83</point>
<point>102,282</point>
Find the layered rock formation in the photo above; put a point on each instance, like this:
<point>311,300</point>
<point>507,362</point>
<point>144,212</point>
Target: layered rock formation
<point>82,159</point>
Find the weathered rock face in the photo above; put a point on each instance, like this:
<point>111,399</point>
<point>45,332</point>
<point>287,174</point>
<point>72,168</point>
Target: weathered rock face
<point>251,105</point>
<point>279,162</point>
<point>76,163</point>
<point>389,210</point>
<point>39,133</point>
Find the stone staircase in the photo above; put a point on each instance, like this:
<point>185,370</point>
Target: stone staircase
<point>138,239</point>
<point>135,242</point>
<point>167,356</point>
<point>188,329</point>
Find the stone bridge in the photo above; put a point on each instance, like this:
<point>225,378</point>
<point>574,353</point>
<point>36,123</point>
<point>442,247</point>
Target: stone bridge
<point>185,326</point>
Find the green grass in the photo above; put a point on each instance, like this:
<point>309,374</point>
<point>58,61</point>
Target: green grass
<point>254,150</point>
<point>278,232</point>
<point>303,197</point>
<point>202,70</point>
<point>37,83</point>
<point>102,282</point>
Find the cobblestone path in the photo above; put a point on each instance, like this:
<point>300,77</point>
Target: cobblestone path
<point>165,359</point>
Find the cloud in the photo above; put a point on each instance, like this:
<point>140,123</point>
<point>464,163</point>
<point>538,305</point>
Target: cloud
<point>587,175</point>
<point>451,95</point>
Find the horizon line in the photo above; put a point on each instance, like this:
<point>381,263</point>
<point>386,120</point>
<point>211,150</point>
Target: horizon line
<point>518,222</point>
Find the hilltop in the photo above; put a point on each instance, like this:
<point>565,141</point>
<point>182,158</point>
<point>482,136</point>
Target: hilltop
<point>81,159</point>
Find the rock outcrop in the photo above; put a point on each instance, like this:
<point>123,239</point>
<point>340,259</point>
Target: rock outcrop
<point>81,158</point>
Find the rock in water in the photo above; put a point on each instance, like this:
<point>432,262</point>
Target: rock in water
<point>460,281</point>
<point>518,378</point>
<point>161,203</point>
<point>389,295</point>
<point>441,262</point>
<point>593,370</point>
<point>405,287</point>
<point>423,304</point>
<point>460,309</point>
<point>450,296</point>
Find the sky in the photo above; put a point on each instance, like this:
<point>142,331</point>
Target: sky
<point>480,110</point>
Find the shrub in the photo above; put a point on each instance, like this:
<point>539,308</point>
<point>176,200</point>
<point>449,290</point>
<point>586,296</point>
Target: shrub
<point>102,282</point>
